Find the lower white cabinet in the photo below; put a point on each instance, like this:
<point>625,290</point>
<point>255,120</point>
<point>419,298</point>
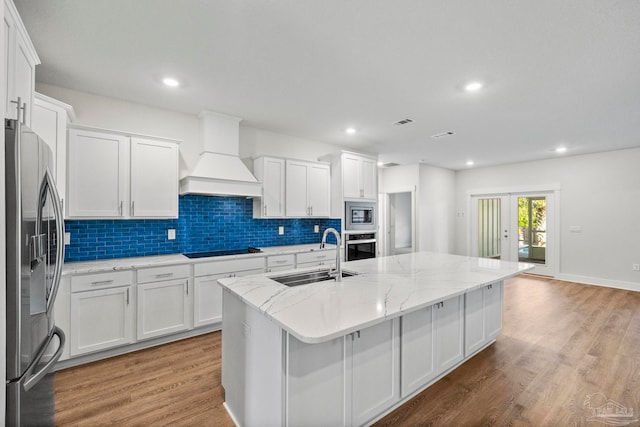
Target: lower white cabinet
<point>448,319</point>
<point>103,317</point>
<point>418,361</point>
<point>357,376</point>
<point>281,262</point>
<point>316,258</point>
<point>163,308</point>
<point>483,316</point>
<point>375,370</point>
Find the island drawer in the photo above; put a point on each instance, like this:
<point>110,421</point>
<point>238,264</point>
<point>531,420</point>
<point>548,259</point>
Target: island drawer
<point>281,260</point>
<point>111,279</point>
<point>155,274</point>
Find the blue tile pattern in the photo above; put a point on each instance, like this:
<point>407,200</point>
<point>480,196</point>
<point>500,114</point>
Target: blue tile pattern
<point>205,223</point>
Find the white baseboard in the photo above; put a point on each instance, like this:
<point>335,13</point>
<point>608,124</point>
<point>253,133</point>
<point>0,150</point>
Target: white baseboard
<point>599,281</point>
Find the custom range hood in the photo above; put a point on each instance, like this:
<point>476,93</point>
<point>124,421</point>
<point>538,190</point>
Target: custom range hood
<point>219,170</point>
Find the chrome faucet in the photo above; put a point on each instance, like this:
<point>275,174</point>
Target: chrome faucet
<point>338,270</point>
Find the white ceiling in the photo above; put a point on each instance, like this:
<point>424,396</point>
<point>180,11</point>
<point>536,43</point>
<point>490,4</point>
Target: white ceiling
<point>556,72</point>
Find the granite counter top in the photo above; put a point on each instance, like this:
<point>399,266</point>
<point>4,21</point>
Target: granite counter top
<point>384,288</point>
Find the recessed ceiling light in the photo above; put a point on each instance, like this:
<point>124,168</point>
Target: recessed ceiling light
<point>380,163</point>
<point>171,82</point>
<point>561,149</point>
<point>350,131</point>
<point>470,163</point>
<point>473,86</point>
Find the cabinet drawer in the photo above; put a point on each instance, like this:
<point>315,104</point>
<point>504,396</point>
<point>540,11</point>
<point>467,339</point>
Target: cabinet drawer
<point>101,280</point>
<point>156,274</point>
<point>281,260</point>
<point>228,266</point>
<point>316,256</point>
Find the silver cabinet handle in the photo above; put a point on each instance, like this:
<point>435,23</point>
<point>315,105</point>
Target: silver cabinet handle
<point>311,210</point>
<point>164,275</point>
<point>133,204</point>
<point>101,282</point>
<point>127,296</point>
<point>21,106</point>
<point>121,202</point>
<point>265,210</point>
<point>187,287</point>
<point>282,261</point>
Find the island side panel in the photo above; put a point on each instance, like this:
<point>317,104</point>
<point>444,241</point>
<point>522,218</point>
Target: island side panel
<point>252,364</point>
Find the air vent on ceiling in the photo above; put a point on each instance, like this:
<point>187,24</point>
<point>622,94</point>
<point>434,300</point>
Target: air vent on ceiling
<point>442,134</point>
<point>403,122</point>
<point>389,165</point>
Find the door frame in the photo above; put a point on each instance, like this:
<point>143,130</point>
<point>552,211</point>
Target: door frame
<point>384,205</point>
<point>552,190</point>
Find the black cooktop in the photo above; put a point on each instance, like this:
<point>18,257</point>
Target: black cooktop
<point>248,250</point>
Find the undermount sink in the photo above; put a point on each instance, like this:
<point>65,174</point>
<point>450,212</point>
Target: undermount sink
<point>297,279</point>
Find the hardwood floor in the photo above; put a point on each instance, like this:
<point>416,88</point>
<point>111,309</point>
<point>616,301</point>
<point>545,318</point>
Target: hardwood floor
<point>561,342</point>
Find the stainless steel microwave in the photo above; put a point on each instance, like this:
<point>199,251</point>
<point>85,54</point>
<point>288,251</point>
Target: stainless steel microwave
<point>360,216</point>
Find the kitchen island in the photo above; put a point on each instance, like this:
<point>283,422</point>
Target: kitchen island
<point>345,353</point>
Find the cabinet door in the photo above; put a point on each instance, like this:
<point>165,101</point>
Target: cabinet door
<point>493,310</point>
<point>23,78</point>
<point>319,190</point>
<point>163,308</point>
<point>97,174</point>
<point>296,189</point>
<point>369,170</point>
<point>448,322</point>
<point>351,176</point>
<point>474,322</point>
<point>101,319</point>
<point>315,383</point>
<point>154,179</point>
<point>417,350</point>
<point>273,186</point>
<point>207,300</point>
<point>375,370</point>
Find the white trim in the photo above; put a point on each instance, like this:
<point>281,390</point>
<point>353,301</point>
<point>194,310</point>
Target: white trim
<point>511,190</point>
<point>120,132</point>
<point>599,281</point>
<point>71,113</point>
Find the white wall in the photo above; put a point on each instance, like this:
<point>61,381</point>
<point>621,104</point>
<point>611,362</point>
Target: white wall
<point>436,209</point>
<point>111,113</point>
<point>599,192</point>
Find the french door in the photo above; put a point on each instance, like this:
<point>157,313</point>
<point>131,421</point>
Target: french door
<point>515,227</point>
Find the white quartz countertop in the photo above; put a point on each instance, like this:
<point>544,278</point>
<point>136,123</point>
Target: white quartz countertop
<point>84,267</point>
<point>385,288</point>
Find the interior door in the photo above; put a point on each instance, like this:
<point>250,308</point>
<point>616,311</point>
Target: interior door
<point>515,227</point>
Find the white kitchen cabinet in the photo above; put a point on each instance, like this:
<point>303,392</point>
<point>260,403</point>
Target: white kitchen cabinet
<point>207,303</point>
<point>113,175</point>
<point>316,258</point>
<point>418,361</point>
<point>448,318</point>
<point>102,312</point>
<point>359,177</point>
<point>164,301</point>
<point>375,370</point>
<point>271,172</point>
<point>307,189</point>
<point>483,317</point>
<point>154,178</point>
<point>20,59</point>
<point>163,308</point>
<point>50,119</point>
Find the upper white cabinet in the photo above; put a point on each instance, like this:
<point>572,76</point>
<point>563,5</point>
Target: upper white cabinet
<point>112,175</point>
<point>50,119</point>
<point>359,177</point>
<point>270,171</point>
<point>20,59</point>
<point>307,189</point>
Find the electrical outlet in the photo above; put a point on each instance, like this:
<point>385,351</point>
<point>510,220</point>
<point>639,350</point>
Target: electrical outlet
<point>316,228</point>
<point>67,238</point>
<point>281,230</point>
<point>636,267</point>
<point>171,234</point>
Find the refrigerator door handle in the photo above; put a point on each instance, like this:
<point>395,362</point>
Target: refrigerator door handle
<point>48,183</point>
<point>32,379</point>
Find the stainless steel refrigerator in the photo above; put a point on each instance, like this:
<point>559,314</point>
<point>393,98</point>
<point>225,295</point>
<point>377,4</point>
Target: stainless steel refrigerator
<point>35,253</point>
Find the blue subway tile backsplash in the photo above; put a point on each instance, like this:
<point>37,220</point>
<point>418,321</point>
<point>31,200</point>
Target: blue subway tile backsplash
<point>204,223</point>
